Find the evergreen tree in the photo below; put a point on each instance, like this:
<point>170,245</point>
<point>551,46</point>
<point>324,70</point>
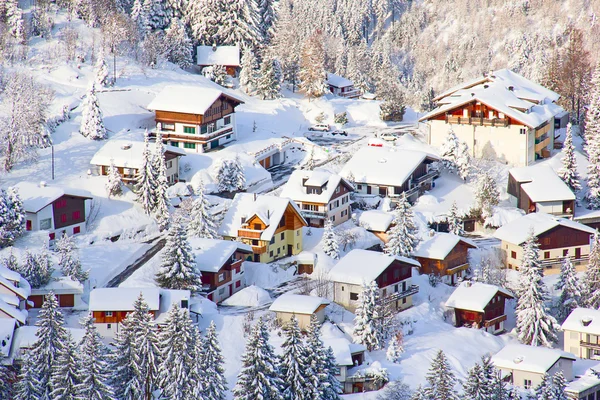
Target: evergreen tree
<point>333,388</point>
<point>395,348</point>
<point>559,385</point>
<point>568,173</point>
<point>67,376</point>
<point>14,21</point>
<point>455,223</point>
<point>140,17</point>
<point>322,362</point>
<point>122,361</point>
<point>487,196</point>
<point>145,181</point>
<point>295,367</point>
<point>157,12</point>
<point>95,369</point>
<point>268,86</point>
<point>179,44</point>
<point>368,323</point>
<point>249,75</point>
<point>114,184</point>
<point>545,391</point>
<point>420,394</point>
<point>12,217</point>
<point>28,386</point>
<point>11,263</point>
<point>309,165</point>
<point>266,18</point>
<point>259,375</point>
<point>218,74</point>
<point>592,139</point>
<point>178,266</point>
<point>591,282</point>
<point>145,351</point>
<point>239,176</point>
<point>535,326</point>
<point>450,152</point>
<point>36,269</point>
<point>477,385</point>
<point>570,296</point>
<point>92,126</point>
<point>463,161</point>
<point>225,178</point>
<point>7,377</point>
<point>441,379</point>
<point>396,390</point>
<point>161,198</point>
<point>212,366</point>
<point>101,73</point>
<point>402,237</point>
<point>202,222</point>
<point>330,243</point>
<point>312,67</point>
<point>68,260</point>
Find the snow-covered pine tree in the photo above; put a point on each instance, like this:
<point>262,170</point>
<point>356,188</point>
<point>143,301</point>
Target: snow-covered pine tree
<point>122,361</point>
<point>266,18</point>
<point>7,379</point>
<point>487,196</point>
<point>145,181</point>
<point>544,391</point>
<point>95,370</point>
<point>268,86</point>
<point>559,384</point>
<point>395,348</point>
<point>177,343</point>
<point>420,394</point>
<point>12,217</point>
<point>178,266</point>
<point>395,390</point>
<point>114,184</point>
<point>477,386</point>
<point>212,365</point>
<point>11,262</point>
<point>158,15</point>
<point>592,136</point>
<point>101,73</point>
<point>309,165</point>
<point>259,376</point>
<point>330,242</point>
<point>52,341</point>
<point>368,323</point>
<point>570,297</point>
<point>333,388</point>
<point>455,223</point>
<point>92,126</point>
<point>224,177</point>
<point>28,386</point>
<point>249,75</point>
<point>441,379</point>
<point>219,75</point>
<point>464,162</point>
<point>36,268</point>
<point>312,67</point>
<point>590,296</point>
<point>296,372</point>
<point>450,152</point>
<point>67,375</point>
<point>140,17</point>
<point>14,21</point>
<point>179,44</point>
<point>68,260</point>
<point>323,367</point>
<point>238,174</point>
<point>202,222</point>
<point>403,234</point>
<point>568,173</point>
<point>161,197</point>
<point>535,325</point>
<point>198,374</point>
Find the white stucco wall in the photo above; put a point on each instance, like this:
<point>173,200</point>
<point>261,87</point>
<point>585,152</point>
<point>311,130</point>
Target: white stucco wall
<point>507,249</point>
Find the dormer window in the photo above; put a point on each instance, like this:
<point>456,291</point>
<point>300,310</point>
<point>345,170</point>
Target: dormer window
<point>243,220</point>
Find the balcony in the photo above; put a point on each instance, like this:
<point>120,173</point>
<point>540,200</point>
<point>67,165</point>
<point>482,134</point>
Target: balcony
<point>589,345</point>
<point>494,321</point>
<point>434,173</point>
<point>249,233</point>
<point>503,122</point>
<point>351,94</point>
<point>313,214</point>
<point>259,249</point>
<point>412,290</point>
<point>456,269</point>
<point>541,144</point>
<point>195,137</point>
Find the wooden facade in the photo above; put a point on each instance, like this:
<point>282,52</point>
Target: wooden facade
<point>64,300</point>
<point>231,267</point>
<point>456,261</point>
<point>476,113</point>
<point>492,317</point>
<point>396,272</point>
<point>222,107</point>
<point>68,210</point>
<point>113,317</point>
<point>562,236</point>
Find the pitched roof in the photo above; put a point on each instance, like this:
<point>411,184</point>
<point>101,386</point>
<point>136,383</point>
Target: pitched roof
<point>127,153</point>
<point>7,332</point>
<point>218,55</point>
<point>122,298</point>
<point>295,190</point>
<point>168,298</point>
<point>474,296</point>
<point>376,220</point>
<point>269,209</point>
<point>541,183</point>
<point>440,245</point>
<point>363,266</point>
<point>517,231</point>
<point>188,99</point>
<point>529,358</point>
<point>586,320</point>
<point>297,303</point>
<point>338,81</point>
<point>212,254</point>
<point>389,166</point>
<point>37,196</point>
<point>13,312</point>
<point>64,285</point>
<point>23,290</point>
<point>506,92</point>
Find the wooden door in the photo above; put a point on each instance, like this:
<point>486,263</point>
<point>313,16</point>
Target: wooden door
<point>290,249</point>
<point>66,300</point>
<point>577,252</point>
<point>368,189</point>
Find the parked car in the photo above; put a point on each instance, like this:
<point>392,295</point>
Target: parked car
<point>339,132</point>
<point>388,136</point>
<point>319,127</point>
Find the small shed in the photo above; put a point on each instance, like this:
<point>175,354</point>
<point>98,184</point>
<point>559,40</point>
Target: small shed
<point>227,56</point>
<point>67,291</point>
<point>301,306</point>
<point>341,86</point>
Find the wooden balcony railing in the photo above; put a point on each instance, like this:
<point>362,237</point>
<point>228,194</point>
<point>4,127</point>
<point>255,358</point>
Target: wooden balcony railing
<point>411,290</point>
<point>313,214</point>
<point>434,173</point>
<point>595,346</point>
<point>195,137</point>
<point>477,121</point>
<point>249,233</point>
<point>259,249</point>
<point>494,321</point>
<point>542,145</point>
<point>461,267</point>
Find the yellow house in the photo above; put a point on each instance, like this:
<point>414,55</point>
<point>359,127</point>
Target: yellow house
<point>271,225</point>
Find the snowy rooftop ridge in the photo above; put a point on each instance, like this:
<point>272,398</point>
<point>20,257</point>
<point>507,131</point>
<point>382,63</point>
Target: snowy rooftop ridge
<point>363,266</point>
<point>529,358</point>
<point>218,55</point>
<point>36,196</point>
<point>474,296</point>
<point>298,304</point>
<point>296,190</point>
<point>338,81</point>
<point>123,298</point>
<point>585,320</point>
<point>541,183</point>
<point>188,99</point>
<point>440,245</point>
<point>127,153</point>
<point>63,285</point>
<point>375,220</point>
<point>212,254</point>
<point>517,231</point>
<point>13,312</point>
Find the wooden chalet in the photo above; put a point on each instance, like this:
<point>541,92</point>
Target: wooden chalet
<point>343,87</point>
<point>227,56</point>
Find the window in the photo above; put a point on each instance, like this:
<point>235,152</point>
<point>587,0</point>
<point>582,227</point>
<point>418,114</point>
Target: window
<point>298,246</point>
<point>170,164</point>
<point>189,129</point>
<point>278,251</point>
<point>228,137</point>
<point>108,314</point>
<point>353,296</point>
<point>282,235</point>
<point>61,203</point>
<point>513,254</point>
<point>396,273</point>
<point>271,253</point>
<point>189,145</point>
<point>174,144</point>
<point>546,255</point>
<point>256,227</point>
<point>565,252</point>
<point>272,240</point>
<point>45,223</point>
<point>404,300</point>
<point>52,236</point>
<point>337,189</point>
<point>523,131</point>
<point>28,225</point>
<point>108,326</point>
<point>238,284</point>
<point>63,218</point>
<point>76,230</point>
<point>333,218</point>
<point>221,277</point>
<point>227,120</point>
<point>527,383</point>
<point>395,288</point>
<point>297,233</point>
<point>76,215</point>
<point>358,187</point>
<point>221,291</point>
<point>168,127</point>
<point>342,288</point>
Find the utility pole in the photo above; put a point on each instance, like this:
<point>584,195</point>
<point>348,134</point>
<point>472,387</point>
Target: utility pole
<point>52,146</point>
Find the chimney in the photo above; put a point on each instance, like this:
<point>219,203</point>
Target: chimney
<point>586,321</point>
<point>511,88</point>
<point>304,181</point>
<point>43,184</point>
<point>214,47</point>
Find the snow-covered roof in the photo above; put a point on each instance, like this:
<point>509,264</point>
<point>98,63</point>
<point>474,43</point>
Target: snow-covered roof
<point>25,336</point>
<point>338,81</point>
<point>295,190</point>
<point>586,377</point>
<point>127,153</point>
<point>474,296</point>
<point>269,209</point>
<point>517,231</point>
<point>297,303</point>
<point>440,245</point>
<point>188,99</point>
<point>37,196</point>
<point>360,266</point>
<point>23,290</point>
<point>13,312</point>
<point>585,320</point>
<point>7,332</point>
<point>122,298</point>
<point>508,93</point>
<point>343,350</point>
<point>522,357</point>
<point>219,55</point>
<point>9,274</point>
<point>389,166</point>
<point>168,297</point>
<point>541,183</point>
<point>212,254</point>
<point>63,285</point>
<point>375,220</point>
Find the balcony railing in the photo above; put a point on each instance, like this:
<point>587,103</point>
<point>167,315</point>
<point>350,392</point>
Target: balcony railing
<point>259,249</point>
<point>595,346</point>
<point>494,321</point>
<point>477,121</point>
<point>313,214</point>
<point>542,145</point>
<point>454,270</point>
<point>412,290</point>
<point>203,137</point>
<point>249,233</point>
<point>350,94</point>
<point>434,173</point>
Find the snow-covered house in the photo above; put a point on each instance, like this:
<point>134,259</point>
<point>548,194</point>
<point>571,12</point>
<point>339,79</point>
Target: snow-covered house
<point>391,273</point>
<point>67,291</point>
<point>320,195</point>
<point>127,158</point>
<point>271,225</point>
<point>390,171</point>
<point>537,188</point>
<point>14,289</point>
<point>56,209</point>
<point>301,306</point>
<point>524,366</point>
<point>586,384</point>
<point>349,357</point>
<point>109,306</point>
<point>227,56</point>
<point>501,115</point>
<point>377,222</point>
<point>479,305</point>
<point>557,238</point>
<point>221,263</point>
<point>341,86</point>
<point>581,332</point>
<point>445,255</point>
<point>7,334</point>
<point>26,336</point>
<point>195,118</point>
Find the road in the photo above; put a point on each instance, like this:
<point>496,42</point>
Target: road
<point>143,259</point>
